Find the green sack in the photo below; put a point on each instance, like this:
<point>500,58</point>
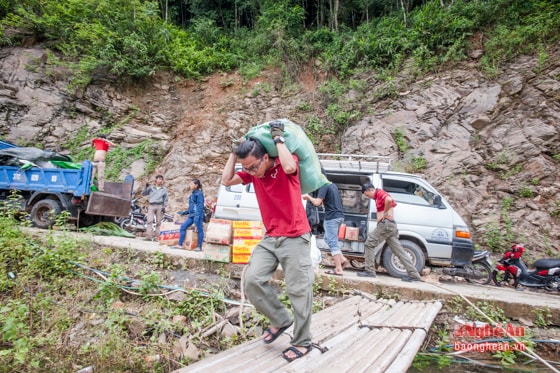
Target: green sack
<point>310,176</point>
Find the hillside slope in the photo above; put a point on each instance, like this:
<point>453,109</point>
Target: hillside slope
<point>492,147</point>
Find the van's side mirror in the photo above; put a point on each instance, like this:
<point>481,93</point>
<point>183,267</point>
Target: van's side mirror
<point>437,202</point>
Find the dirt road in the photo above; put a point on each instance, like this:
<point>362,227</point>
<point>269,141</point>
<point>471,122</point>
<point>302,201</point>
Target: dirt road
<point>515,303</point>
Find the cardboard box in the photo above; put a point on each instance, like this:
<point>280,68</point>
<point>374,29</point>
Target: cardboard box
<point>219,231</point>
<point>240,258</point>
<point>352,233</point>
<point>243,245</point>
<point>169,234</point>
<point>247,224</point>
<point>254,233</point>
<point>191,240</point>
<point>216,252</point>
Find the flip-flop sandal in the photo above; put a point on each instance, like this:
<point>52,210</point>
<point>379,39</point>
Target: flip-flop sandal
<point>329,272</point>
<point>274,336</point>
<point>295,351</point>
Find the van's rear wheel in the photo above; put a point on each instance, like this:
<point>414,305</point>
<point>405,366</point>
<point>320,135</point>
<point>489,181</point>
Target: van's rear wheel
<point>393,264</point>
<point>44,212</point>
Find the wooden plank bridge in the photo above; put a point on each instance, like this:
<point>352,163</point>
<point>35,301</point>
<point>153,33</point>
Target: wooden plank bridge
<point>359,334</point>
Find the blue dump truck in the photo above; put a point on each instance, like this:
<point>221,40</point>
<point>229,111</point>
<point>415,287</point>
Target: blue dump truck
<point>44,190</point>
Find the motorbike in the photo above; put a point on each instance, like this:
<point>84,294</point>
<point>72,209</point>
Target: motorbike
<point>478,272</point>
<point>136,221</point>
<point>513,271</point>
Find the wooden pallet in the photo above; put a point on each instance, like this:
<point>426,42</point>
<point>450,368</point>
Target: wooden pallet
<point>362,334</point>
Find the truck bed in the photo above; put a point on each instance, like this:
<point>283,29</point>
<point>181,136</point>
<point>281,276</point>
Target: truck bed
<point>76,182</point>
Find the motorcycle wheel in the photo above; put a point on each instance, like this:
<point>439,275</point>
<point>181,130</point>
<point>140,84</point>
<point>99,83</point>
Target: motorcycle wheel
<point>552,285</point>
<point>486,271</point>
<point>503,278</point>
<point>127,225</point>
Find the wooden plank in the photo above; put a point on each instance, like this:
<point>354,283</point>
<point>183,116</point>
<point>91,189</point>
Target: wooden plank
<point>377,344</point>
<point>375,349</point>
<point>393,352</point>
<point>256,352</point>
<point>430,315</point>
<point>336,358</point>
<point>384,314</point>
<point>343,316</point>
<point>408,353</point>
<point>341,360</point>
<point>250,353</point>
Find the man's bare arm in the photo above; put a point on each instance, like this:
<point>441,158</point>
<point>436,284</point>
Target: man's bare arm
<point>229,177</point>
<point>315,201</point>
<point>286,160</point>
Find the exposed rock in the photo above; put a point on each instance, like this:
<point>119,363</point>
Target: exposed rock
<point>229,330</point>
<point>484,140</point>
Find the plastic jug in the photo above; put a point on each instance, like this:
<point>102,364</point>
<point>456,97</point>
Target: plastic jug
<point>342,232</point>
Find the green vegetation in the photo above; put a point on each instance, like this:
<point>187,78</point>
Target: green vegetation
<point>494,312</point>
<point>120,158</point>
<point>441,349</point>
<point>134,39</point>
<point>59,313</point>
<point>499,236</point>
<point>543,317</point>
<point>503,164</point>
<point>352,43</point>
<point>400,140</point>
<point>526,192</point>
<point>555,209</point>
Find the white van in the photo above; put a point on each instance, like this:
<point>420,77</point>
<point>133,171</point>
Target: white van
<point>237,202</point>
<point>430,230</point>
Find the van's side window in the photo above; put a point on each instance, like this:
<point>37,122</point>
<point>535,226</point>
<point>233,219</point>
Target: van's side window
<point>409,192</point>
<point>237,189</point>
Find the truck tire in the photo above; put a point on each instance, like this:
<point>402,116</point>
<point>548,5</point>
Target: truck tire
<point>44,212</point>
<point>87,220</point>
<point>393,264</point>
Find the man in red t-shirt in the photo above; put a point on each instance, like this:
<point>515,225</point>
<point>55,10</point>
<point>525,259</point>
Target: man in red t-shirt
<point>386,230</point>
<point>287,239</point>
<point>101,145</point>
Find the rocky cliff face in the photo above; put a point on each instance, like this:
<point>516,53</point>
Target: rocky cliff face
<point>492,147</point>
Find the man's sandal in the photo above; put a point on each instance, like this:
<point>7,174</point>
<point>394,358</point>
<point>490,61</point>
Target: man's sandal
<point>295,351</point>
<point>274,336</point>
